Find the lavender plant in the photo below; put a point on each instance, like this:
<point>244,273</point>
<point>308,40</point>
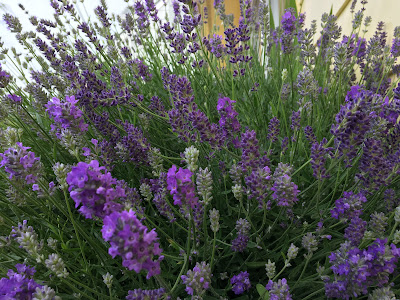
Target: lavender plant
<point>142,158</point>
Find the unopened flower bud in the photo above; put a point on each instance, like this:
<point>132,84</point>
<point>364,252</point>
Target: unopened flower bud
<point>270,268</point>
<point>191,155</point>
<point>204,184</point>
<point>237,192</point>
<point>292,252</point>
<point>397,214</point>
<point>145,190</point>
<point>56,265</point>
<point>214,218</point>
<point>156,161</point>
<point>284,74</point>
<point>107,279</point>
<point>396,237</point>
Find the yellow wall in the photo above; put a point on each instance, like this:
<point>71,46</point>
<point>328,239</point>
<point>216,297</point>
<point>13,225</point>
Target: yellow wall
<point>380,10</point>
<point>231,7</point>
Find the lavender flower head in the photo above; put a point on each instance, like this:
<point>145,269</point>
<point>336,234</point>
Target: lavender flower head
<point>239,244</point>
<point>288,21</point>
<point>354,233</point>
<point>348,207</point>
<point>250,150</point>
<point>240,283</point>
<point>191,156</point>
<point>66,115</point>
<point>204,185</point>
<point>288,26</point>
<point>355,270</point>
<point>4,78</point>
<point>28,239</point>
<point>19,284</point>
<point>285,191</point>
<point>138,294</point>
<point>22,165</point>
<point>96,191</point>
<point>181,187</point>
<point>353,121</point>
<point>318,159</point>
<point>56,264</point>
<point>14,98</point>
<point>278,290</point>
<point>273,129</point>
<point>130,239</point>
<point>198,280</point>
<point>228,120</point>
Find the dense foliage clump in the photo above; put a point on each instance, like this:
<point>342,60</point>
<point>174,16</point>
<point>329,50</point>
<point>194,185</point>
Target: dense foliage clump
<point>142,158</point>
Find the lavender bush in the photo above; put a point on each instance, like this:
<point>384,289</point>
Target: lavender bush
<point>143,159</point>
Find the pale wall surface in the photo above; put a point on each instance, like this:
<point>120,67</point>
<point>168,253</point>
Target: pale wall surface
<point>380,10</point>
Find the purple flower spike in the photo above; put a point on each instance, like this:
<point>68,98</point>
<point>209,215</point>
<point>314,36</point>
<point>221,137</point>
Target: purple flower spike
<point>20,284</point>
<point>348,207</point>
<point>279,290</point>
<point>239,244</point>
<point>96,191</point>
<point>181,187</point>
<point>356,270</point>
<point>198,280</point>
<point>131,240</point>
<point>66,115</point>
<point>228,120</point>
<point>285,191</point>
<point>22,165</point>
<point>15,98</point>
<point>137,294</point>
<point>240,283</point>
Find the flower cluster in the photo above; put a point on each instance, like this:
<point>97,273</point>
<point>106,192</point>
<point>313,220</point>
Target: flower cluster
<point>181,187</point>
<point>278,290</point>
<point>56,265</point>
<point>28,239</point>
<point>67,115</point>
<point>159,188</point>
<point>198,280</point>
<point>21,285</point>
<point>131,240</point>
<point>284,191</point>
<point>228,120</point>
<point>348,207</point>
<point>133,146</point>
<point>354,233</point>
<point>139,294</point>
<point>353,121</point>
<point>95,191</point>
<point>239,244</point>
<point>318,159</point>
<point>288,24</point>
<point>356,270</point>
<point>273,129</point>
<point>126,110</point>
<point>4,78</point>
<point>250,150</point>
<point>191,156</point>
<point>258,184</point>
<point>204,185</point>
<point>22,165</point>
<point>240,283</point>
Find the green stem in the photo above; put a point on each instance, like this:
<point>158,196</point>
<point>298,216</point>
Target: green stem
<point>304,269</point>
<point>75,229</point>
<point>213,251</point>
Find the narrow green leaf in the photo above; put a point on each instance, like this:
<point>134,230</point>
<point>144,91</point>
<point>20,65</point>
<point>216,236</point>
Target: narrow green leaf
<point>262,291</point>
<point>255,264</point>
